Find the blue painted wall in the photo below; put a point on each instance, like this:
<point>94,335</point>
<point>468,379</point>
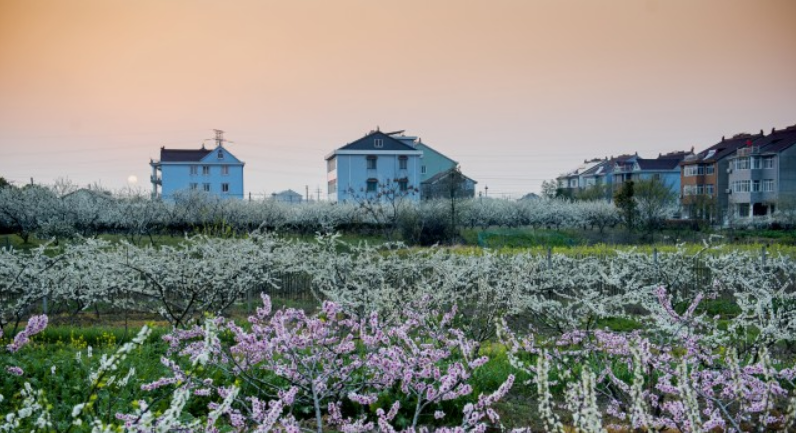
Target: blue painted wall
<point>351,174</point>
<point>433,161</point>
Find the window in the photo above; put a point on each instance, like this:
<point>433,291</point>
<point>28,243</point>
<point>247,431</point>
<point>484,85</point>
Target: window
<point>700,189</point>
<point>741,186</point>
<point>372,184</point>
<point>422,169</point>
<point>709,188</point>
<point>194,170</point>
<point>225,170</point>
<point>755,186</point>
<point>756,162</point>
<point>403,185</point>
<point>194,186</point>
<point>697,170</point>
<point>378,143</point>
<point>220,154</point>
<point>688,189</point>
<point>225,188</point>
<point>743,210</point>
<point>206,187</point>
<point>331,165</point>
<point>371,162</point>
<point>402,162</point>
<point>742,163</point>
<point>332,186</point>
<point>768,185</point>
<point>205,170</point>
<point>768,162</point>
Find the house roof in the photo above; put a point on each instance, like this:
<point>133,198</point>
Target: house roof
<point>722,149</point>
<point>368,142</point>
<point>443,174</point>
<point>583,168</point>
<point>286,193</point>
<point>183,155</point>
<point>599,169</point>
<point>658,163</point>
<point>778,141</point>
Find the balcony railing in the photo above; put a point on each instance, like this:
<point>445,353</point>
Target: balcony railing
<point>746,151</point>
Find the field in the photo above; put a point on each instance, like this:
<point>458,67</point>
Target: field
<point>330,334</point>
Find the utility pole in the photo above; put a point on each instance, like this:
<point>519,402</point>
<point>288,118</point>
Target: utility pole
<point>307,192</point>
<point>318,193</point>
<point>219,137</point>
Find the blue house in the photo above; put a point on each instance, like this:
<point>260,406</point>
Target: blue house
<point>215,171</point>
<point>664,168</point>
<point>377,166</point>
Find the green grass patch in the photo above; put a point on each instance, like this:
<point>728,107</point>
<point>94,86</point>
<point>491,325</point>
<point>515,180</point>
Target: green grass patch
<point>619,324</point>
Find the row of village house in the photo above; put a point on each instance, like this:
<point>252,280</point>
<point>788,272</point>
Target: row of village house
<point>744,176</point>
<point>378,165</point>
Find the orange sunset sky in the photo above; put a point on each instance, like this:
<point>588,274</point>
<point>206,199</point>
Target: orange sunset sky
<point>516,91</point>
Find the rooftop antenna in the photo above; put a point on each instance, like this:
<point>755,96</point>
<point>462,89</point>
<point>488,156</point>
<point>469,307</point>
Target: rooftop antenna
<point>219,137</point>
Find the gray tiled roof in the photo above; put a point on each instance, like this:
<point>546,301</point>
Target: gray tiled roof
<point>443,174</point>
<point>658,164</point>
<point>182,155</point>
<point>722,149</point>
<point>368,143</point>
<point>778,141</point>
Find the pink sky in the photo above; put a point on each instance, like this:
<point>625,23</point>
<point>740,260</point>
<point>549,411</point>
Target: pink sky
<point>516,91</point>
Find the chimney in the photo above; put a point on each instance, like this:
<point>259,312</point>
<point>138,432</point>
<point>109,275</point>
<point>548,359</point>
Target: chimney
<point>722,138</point>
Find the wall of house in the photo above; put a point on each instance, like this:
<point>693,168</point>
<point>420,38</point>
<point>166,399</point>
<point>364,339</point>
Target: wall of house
<point>753,174</point>
<point>352,174</point>
<point>433,161</point>
<point>177,177</point>
<point>669,178</point>
<point>786,182</point>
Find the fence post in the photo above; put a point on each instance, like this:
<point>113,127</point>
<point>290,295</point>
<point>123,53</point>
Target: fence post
<point>549,258</point>
<point>44,304</point>
<point>655,256</point>
<point>249,300</point>
<point>763,255</point>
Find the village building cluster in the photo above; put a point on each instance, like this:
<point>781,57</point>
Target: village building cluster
<point>747,175</point>
<point>380,166</point>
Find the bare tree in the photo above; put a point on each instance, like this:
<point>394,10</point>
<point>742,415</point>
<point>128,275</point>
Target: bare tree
<point>655,202</point>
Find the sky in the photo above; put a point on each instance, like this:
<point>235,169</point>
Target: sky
<point>515,91</point>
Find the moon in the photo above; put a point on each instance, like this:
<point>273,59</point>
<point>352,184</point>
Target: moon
<point>132,179</point>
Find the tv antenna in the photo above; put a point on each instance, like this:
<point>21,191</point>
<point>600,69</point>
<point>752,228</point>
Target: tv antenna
<point>219,139</point>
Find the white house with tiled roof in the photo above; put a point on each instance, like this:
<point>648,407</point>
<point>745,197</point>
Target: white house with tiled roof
<point>217,172</point>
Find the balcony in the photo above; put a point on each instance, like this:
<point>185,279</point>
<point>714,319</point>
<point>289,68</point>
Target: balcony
<point>156,180</point>
<point>750,150</point>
